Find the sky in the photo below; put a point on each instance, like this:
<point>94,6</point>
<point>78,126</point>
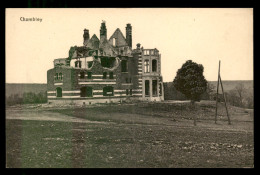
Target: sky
<point>204,36</point>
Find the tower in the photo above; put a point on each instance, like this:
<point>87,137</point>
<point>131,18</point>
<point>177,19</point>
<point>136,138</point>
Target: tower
<point>129,35</point>
<point>103,32</point>
<point>85,36</point>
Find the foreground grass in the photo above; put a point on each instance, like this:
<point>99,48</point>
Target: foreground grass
<point>37,144</point>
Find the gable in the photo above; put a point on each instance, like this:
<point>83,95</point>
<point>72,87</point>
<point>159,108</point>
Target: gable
<point>119,38</point>
<point>93,43</point>
<point>107,48</point>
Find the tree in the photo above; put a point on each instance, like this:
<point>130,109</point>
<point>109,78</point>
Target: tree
<point>190,81</point>
<point>210,90</point>
<point>233,98</point>
<point>250,98</point>
<point>240,88</point>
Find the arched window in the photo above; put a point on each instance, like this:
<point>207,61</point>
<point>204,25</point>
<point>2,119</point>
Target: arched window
<point>154,65</point>
<point>58,92</point>
<point>146,66</point>
<point>86,92</point>
<point>108,91</point>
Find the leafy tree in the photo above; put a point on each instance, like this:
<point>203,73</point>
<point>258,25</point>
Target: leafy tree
<point>191,82</point>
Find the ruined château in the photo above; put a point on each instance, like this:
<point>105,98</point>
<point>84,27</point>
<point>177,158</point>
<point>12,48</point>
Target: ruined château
<point>106,70</point>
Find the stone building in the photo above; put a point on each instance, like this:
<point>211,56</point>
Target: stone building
<point>106,70</point>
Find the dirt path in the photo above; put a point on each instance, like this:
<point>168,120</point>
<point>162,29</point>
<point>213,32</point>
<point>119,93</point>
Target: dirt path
<point>129,119</point>
<point>46,116</point>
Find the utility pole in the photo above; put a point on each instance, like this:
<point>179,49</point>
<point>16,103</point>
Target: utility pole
<point>219,80</point>
<point>229,122</point>
<point>217,94</point>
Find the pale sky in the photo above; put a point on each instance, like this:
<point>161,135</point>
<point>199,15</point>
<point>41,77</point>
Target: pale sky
<point>203,35</point>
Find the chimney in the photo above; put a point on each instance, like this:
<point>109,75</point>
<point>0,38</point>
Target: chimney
<point>103,32</point>
<point>129,35</point>
<point>85,37</point>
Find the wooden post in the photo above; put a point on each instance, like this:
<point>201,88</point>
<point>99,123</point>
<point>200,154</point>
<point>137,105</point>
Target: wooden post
<point>224,100</point>
<point>217,93</point>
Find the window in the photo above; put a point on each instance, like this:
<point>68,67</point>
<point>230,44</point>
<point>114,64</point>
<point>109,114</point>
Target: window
<point>146,66</point>
<point>56,76</point>
<point>146,52</point>
<point>111,75</point>
<point>154,65</point>
<point>82,74</point>
<point>130,91</point>
<point>128,80</point>
<point>152,52</point>
<point>114,42</point>
<point>58,92</point>
<point>108,91</point>
<point>127,92</point>
<point>60,76</point>
<point>147,88</point>
<point>154,83</point>
<point>78,64</point>
<point>109,62</point>
<point>86,92</point>
<point>89,75</point>
<point>104,75</point>
<point>124,66</point>
<point>89,61</point>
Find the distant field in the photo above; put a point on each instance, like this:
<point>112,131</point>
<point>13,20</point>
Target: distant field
<point>130,136</point>
<point>229,85</point>
<point>20,88</point>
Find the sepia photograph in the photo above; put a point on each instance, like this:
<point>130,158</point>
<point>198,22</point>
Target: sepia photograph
<point>129,88</point>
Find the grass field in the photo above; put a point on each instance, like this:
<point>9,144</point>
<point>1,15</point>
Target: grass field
<point>131,135</point>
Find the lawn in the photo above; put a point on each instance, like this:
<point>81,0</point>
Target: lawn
<point>135,135</point>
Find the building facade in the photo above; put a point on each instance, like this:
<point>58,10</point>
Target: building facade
<point>106,70</point>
